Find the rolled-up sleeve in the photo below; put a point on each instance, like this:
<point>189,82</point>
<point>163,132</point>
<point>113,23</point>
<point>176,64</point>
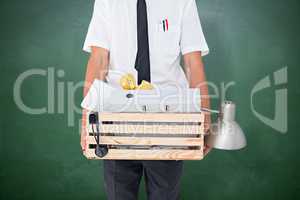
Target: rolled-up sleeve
<point>99,31</point>
<point>192,37</point>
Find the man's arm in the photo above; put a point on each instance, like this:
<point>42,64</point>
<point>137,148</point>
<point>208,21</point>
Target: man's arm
<point>97,68</point>
<point>194,69</point>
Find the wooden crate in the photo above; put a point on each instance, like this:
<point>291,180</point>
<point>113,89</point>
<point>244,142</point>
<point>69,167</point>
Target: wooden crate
<point>148,136</point>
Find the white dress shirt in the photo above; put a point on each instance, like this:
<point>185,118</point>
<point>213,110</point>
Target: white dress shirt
<point>174,29</point>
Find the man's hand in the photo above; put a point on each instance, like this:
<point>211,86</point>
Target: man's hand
<point>207,124</point>
<point>83,130</point>
<point>207,148</point>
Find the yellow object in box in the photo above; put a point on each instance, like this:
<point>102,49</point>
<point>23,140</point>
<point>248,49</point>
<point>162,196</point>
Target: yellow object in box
<point>128,82</point>
<point>145,85</point>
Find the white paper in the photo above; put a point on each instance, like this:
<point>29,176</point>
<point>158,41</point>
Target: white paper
<point>103,97</point>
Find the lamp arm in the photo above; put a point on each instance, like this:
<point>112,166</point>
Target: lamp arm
<point>209,110</point>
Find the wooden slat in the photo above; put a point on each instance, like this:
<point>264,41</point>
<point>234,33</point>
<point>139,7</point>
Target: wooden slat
<point>121,154</point>
<point>152,117</point>
<point>176,141</point>
<point>149,129</point>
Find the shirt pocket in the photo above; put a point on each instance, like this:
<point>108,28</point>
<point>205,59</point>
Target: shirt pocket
<point>167,41</point>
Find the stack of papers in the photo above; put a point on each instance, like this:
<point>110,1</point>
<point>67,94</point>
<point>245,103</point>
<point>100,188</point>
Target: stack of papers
<point>103,97</point>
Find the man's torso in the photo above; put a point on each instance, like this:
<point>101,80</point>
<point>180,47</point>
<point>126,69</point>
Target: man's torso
<point>164,30</point>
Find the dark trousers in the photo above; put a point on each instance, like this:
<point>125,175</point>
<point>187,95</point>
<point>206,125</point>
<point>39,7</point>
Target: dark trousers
<point>122,179</point>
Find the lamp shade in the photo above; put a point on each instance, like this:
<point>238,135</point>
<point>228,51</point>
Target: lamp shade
<point>226,134</point>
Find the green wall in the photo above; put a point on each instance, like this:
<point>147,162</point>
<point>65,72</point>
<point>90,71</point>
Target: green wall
<point>249,40</point>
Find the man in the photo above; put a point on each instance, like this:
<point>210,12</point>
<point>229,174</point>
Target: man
<point>146,38</point>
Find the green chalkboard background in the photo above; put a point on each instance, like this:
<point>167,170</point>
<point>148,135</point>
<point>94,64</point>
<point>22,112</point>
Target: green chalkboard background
<point>40,156</point>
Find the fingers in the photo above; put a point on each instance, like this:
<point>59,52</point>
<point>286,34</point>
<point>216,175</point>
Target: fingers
<point>206,150</point>
<point>83,131</point>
